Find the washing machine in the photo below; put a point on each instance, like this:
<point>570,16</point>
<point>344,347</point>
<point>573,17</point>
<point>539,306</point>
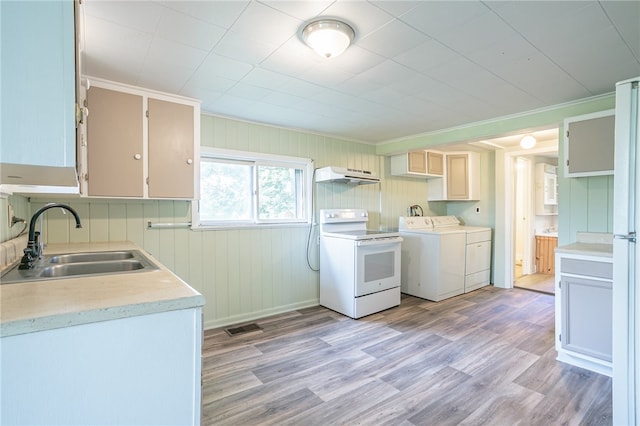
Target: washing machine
<point>477,263</point>
<point>432,259</point>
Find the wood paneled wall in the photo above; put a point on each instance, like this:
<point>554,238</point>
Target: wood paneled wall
<point>245,273</point>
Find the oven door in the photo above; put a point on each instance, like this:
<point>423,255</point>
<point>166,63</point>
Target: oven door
<point>377,265</point>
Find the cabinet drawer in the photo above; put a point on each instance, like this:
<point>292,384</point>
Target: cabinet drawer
<point>476,237</point>
<point>476,280</point>
<point>587,268</point>
<point>478,257</point>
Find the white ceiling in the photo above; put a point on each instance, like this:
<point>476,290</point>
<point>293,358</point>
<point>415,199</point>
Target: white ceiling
<point>415,67</point>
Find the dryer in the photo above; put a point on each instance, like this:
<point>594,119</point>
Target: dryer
<point>477,270</point>
<point>431,259</point>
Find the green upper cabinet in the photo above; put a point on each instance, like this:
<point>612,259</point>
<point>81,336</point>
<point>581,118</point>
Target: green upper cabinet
<point>38,89</point>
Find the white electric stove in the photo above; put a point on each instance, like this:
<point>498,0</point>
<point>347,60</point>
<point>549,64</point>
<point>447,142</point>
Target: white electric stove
<point>359,267</point>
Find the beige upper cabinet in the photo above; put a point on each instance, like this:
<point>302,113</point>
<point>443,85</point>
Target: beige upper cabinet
<point>140,144</point>
<point>458,185</point>
<point>461,179</point>
<point>589,144</point>
<point>171,135</point>
<point>435,163</point>
<point>418,164</point>
<point>114,148</point>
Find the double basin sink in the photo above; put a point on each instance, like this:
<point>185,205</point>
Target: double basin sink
<point>73,265</point>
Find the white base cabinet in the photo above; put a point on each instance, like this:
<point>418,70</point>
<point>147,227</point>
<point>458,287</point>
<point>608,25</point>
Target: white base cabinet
<point>142,370</point>
<point>584,311</point>
<point>477,260</point>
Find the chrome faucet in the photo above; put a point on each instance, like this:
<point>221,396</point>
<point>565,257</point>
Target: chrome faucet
<point>34,250</point>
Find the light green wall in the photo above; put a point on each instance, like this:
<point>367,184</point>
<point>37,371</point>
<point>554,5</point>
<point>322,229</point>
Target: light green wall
<point>247,274</point>
<point>250,273</point>
<point>20,210</point>
<point>585,204</point>
<point>517,123</point>
<point>466,210</point>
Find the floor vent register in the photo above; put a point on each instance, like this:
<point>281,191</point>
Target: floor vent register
<point>247,328</point>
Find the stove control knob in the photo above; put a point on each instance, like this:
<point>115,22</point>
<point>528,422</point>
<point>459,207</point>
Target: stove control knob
<point>331,215</point>
<point>364,214</point>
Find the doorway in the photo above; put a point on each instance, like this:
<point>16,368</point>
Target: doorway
<point>546,150</point>
<point>534,222</point>
<point>521,197</point>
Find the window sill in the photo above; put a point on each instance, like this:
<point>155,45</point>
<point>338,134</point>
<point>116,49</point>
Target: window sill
<point>238,226</point>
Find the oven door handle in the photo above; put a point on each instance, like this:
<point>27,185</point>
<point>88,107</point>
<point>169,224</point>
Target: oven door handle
<point>379,241</point>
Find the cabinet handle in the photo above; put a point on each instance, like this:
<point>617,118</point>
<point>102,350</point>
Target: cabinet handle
<point>189,161</point>
<point>137,156</point>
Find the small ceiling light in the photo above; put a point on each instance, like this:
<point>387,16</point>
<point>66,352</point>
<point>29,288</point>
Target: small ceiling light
<point>528,142</point>
<point>328,37</point>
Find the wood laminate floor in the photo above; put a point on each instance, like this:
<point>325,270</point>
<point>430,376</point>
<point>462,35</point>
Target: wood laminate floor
<point>483,358</point>
<point>544,283</point>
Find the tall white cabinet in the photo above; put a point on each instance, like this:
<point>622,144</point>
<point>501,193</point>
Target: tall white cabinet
<point>477,258</point>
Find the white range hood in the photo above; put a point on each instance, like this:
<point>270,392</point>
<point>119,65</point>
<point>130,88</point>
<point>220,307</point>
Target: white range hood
<point>345,175</point>
<point>28,179</point>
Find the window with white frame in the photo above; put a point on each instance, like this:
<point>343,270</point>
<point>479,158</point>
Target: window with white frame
<point>245,189</point>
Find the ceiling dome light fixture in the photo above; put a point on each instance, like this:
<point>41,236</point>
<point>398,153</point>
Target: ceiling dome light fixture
<point>528,142</point>
<point>328,37</point>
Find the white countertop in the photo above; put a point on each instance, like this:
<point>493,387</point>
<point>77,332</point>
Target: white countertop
<point>590,244</point>
<point>43,305</point>
<point>547,234</point>
<point>587,249</point>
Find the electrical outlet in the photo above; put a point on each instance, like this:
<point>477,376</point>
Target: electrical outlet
<point>10,214</point>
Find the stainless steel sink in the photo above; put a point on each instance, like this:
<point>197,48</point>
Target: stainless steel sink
<point>97,256</point>
<point>90,268</point>
<point>74,265</point>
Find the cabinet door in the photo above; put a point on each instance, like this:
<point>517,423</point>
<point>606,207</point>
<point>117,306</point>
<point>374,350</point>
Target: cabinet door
<point>478,257</point>
<point>38,84</point>
<point>587,316</point>
<point>545,257</point>
<point>417,162</point>
<point>114,143</point>
<point>550,189</point>
<point>590,144</point>
<point>457,177</point>
<point>171,149</point>
<point>435,163</point>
